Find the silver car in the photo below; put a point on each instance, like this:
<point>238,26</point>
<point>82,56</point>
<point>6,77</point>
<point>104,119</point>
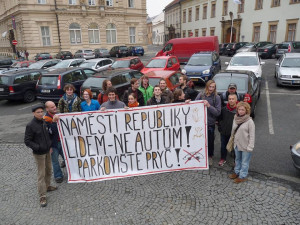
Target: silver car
<point>287,70</point>
<point>295,152</point>
<point>98,64</point>
<point>66,64</point>
<point>85,53</point>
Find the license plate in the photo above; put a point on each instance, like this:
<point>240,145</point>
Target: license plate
<point>294,82</point>
<point>1,89</point>
<point>45,91</point>
<point>194,79</point>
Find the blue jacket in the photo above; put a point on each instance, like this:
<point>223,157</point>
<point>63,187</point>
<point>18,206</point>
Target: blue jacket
<point>92,107</point>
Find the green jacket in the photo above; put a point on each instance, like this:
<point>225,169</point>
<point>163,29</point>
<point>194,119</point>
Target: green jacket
<point>147,93</point>
<point>65,108</point>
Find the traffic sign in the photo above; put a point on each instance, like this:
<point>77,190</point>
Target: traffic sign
<point>14,42</point>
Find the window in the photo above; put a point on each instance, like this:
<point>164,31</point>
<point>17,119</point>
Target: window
<point>291,32</point>
<point>21,79</point>
<point>75,33</point>
<point>184,16</point>
<point>130,4</point>
<point>78,76</point>
<point>190,33</point>
<point>109,2</point>
<point>132,35</point>
<point>183,33</point>
<point>272,33</point>
<point>259,4</point>
<point>190,15</point>
<point>34,76</point>
<point>256,33</point>
<point>111,33</point>
<point>203,32</point>
<point>212,31</point>
<point>294,1</point>
<point>92,2</point>
<point>225,7</point>
<point>41,1</point>
<point>45,36</point>
<point>197,16</point>
<point>204,12</point>
<point>72,2</point>
<point>197,33</point>
<point>93,33</point>
<point>241,6</point>
<point>89,72</point>
<point>213,9</point>
<point>275,3</point>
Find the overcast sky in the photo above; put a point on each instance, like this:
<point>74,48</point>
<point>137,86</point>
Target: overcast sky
<point>155,7</point>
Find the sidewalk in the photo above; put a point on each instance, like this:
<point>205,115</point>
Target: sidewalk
<point>188,197</point>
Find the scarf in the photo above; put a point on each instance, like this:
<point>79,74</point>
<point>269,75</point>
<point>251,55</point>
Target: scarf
<point>135,104</point>
<point>70,100</point>
<point>241,119</point>
<point>229,108</point>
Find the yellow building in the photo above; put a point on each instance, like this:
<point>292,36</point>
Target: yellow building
<point>54,25</point>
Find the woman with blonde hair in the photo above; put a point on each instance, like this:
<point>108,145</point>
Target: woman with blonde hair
<point>243,129</point>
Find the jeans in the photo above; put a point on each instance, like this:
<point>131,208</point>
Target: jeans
<point>224,141</point>
<point>55,163</point>
<point>211,140</point>
<point>242,160</point>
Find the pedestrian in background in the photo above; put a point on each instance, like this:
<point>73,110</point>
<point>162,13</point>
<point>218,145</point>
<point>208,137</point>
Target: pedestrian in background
<point>166,93</point>
<point>37,138</point>
<point>102,97</point>
<point>134,89</point>
<point>69,102</point>
<point>113,102</point>
<point>146,89</point>
<point>244,129</point>
<point>89,104</point>
<point>213,103</point>
<point>225,121</point>
<point>232,89</point>
<point>26,55</point>
<point>51,118</point>
<point>157,98</point>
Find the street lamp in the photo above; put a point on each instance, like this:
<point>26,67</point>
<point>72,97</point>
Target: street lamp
<point>231,17</point>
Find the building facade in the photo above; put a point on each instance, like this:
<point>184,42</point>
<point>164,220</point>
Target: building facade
<point>54,25</point>
<point>158,29</point>
<point>250,21</point>
<point>172,20</point>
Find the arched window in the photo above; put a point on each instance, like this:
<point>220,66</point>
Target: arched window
<point>94,33</point>
<point>111,33</point>
<point>75,33</point>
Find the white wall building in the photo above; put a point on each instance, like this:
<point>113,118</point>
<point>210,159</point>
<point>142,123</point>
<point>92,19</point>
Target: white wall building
<point>158,29</point>
<point>253,20</point>
<point>172,20</point>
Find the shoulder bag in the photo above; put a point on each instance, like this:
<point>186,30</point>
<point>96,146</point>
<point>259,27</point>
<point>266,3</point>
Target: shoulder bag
<point>230,144</point>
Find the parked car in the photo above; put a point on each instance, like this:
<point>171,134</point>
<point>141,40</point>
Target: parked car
<point>44,64</point>
<point>6,63</point>
<point>19,85</point>
<point>295,153</point>
<point>262,44</point>
<point>64,55</point>
<point>162,63</point>
<point>249,47</point>
<point>233,47</point>
<point>222,48</point>
<point>171,77</point>
<point>268,51</point>
<point>287,70</point>
<point>119,51</point>
<point>84,53</point>
<point>136,50</point>
<point>67,63</point>
<point>246,61</point>
<point>22,64</point>
<point>42,56</point>
<point>132,62</point>
<point>50,86</point>
<point>248,85</point>
<point>202,66</point>
<point>286,47</point>
<point>98,64</point>
<point>120,79</point>
<point>101,53</point>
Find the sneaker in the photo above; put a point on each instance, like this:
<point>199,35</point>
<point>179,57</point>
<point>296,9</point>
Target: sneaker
<point>233,176</point>
<point>240,180</point>
<point>222,162</point>
<point>210,161</point>
<point>63,164</point>
<point>43,201</point>
<point>59,180</point>
<point>51,188</point>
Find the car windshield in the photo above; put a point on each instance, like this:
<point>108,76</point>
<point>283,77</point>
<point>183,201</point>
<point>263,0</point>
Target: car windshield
<point>153,81</point>
<point>223,82</point>
<point>203,60</point>
<point>48,80</point>
<point>230,45</point>
<point>88,51</point>
<point>291,62</point>
<point>62,64</point>
<point>123,48</point>
<point>87,64</point>
<point>94,82</point>
<point>157,63</point>
<point>44,55</point>
<point>4,79</point>
<point>121,64</point>
<point>249,45</point>
<point>268,46</point>
<point>16,65</point>
<point>104,50</point>
<point>296,45</point>
<point>36,65</point>
<point>244,61</point>
<point>283,46</point>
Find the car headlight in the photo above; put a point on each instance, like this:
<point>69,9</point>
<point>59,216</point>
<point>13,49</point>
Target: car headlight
<point>183,71</point>
<point>285,76</point>
<point>206,72</point>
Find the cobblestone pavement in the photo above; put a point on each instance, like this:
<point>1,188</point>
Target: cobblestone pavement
<point>188,197</point>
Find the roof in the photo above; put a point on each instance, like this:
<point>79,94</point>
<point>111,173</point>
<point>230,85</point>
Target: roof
<point>62,70</point>
<point>171,4</point>
<point>246,54</point>
<point>95,60</point>
<point>21,71</point>
<point>127,58</point>
<point>235,72</point>
<point>163,57</point>
<point>160,73</point>
<point>108,73</point>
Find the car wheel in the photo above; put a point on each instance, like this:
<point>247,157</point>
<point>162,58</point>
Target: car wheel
<point>29,96</point>
<point>278,84</point>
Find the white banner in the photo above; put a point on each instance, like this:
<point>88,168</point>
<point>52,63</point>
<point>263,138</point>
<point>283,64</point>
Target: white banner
<point>103,145</point>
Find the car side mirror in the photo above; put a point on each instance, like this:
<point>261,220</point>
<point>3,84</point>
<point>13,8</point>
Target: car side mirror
<point>226,63</point>
<point>262,63</point>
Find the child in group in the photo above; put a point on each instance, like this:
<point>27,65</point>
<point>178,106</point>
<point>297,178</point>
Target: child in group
<point>132,100</point>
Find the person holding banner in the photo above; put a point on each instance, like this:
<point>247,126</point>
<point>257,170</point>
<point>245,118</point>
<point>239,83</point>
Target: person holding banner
<point>69,102</point>
<point>179,97</point>
<point>244,138</point>
<point>113,102</point>
<point>89,104</point>
<point>166,93</point>
<point>156,99</point>
<point>134,89</point>
<point>146,88</point>
<point>37,138</point>
<point>213,103</point>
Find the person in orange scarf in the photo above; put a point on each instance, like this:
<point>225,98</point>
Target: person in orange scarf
<point>132,101</point>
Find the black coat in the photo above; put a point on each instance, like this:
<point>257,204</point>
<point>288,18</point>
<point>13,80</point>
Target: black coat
<point>226,120</point>
<point>140,96</point>
<point>152,101</point>
<point>189,93</point>
<point>37,137</point>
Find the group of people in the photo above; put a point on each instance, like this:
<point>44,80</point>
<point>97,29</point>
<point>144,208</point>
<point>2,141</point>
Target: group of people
<point>22,55</point>
<point>228,111</point>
